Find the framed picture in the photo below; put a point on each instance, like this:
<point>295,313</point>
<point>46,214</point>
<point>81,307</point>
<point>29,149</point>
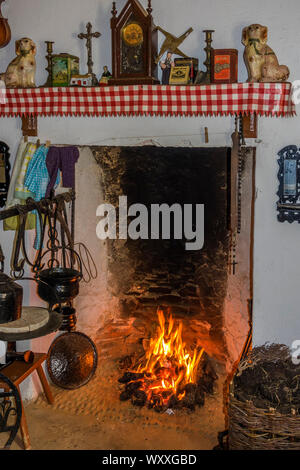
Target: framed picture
<point>180,75</point>
<point>224,66</point>
<point>288,205</point>
<point>64,66</point>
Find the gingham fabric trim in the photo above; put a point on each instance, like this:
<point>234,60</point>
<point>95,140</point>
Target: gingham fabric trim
<point>269,99</point>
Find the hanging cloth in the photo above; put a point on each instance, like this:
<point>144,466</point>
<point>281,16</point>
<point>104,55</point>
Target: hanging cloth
<point>64,159</point>
<point>13,223</point>
<point>21,192</point>
<point>36,181</point>
<point>15,172</point>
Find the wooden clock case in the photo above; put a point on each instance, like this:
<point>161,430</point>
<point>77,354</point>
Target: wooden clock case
<point>135,13</point>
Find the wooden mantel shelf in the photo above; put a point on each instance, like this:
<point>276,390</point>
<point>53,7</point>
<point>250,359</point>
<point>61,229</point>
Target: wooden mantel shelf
<point>264,99</point>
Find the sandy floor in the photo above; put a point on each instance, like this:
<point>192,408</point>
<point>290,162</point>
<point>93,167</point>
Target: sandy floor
<point>93,418</point>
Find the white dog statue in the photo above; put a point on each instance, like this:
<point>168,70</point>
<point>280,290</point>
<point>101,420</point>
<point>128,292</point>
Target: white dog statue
<point>21,71</point>
<point>260,59</point>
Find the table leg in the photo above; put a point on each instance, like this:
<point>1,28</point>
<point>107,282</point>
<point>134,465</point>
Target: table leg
<point>45,385</point>
<point>24,427</point>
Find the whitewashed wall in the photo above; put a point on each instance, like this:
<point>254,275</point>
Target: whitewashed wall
<point>276,250</point>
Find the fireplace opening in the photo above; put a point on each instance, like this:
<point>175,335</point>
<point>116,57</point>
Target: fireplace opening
<point>146,274</point>
<point>208,304</point>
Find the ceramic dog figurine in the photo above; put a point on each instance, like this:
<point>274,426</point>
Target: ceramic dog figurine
<point>21,71</point>
<point>260,59</point>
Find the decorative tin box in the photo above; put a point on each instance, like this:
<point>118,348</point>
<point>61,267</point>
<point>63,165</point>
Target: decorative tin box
<point>191,62</point>
<point>224,66</point>
<point>64,66</point>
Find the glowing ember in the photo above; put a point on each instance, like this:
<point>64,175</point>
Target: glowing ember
<point>162,379</point>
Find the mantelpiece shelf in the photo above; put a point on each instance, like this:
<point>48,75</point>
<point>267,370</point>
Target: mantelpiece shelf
<point>265,99</point>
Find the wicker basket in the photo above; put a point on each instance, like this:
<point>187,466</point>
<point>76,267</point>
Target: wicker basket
<point>252,428</point>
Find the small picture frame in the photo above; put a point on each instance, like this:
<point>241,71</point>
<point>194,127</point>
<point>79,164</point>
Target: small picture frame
<point>180,75</point>
<point>288,205</point>
<point>224,66</point>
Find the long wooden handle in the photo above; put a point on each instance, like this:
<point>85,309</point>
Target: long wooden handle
<point>234,182</point>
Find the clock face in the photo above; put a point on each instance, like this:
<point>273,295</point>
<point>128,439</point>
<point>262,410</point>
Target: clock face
<point>133,35</point>
<point>132,48</point>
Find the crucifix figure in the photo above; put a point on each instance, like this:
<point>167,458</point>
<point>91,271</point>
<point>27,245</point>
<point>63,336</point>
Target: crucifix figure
<point>89,36</point>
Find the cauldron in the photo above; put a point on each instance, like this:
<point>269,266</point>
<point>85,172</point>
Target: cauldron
<point>58,285</point>
<point>11,298</point>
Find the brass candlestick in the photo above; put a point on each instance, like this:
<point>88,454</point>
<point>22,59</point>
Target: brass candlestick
<point>49,68</point>
<point>204,78</point>
<point>208,48</point>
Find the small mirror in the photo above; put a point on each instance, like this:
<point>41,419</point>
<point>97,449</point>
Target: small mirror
<point>288,205</point>
<point>4,173</point>
<point>290,178</point>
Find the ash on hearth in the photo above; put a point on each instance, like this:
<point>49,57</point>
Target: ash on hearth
<point>169,376</point>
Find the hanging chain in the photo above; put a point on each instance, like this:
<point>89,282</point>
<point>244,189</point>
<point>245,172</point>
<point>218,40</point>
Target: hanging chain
<point>233,238</point>
<point>233,257</point>
<point>240,171</point>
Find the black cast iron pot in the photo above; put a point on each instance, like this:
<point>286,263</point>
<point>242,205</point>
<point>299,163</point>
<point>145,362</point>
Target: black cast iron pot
<point>11,298</point>
<point>58,285</point>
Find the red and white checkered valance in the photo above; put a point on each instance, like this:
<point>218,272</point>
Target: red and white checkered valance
<point>265,99</point>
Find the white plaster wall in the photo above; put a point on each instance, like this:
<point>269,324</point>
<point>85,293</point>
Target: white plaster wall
<point>276,250</point>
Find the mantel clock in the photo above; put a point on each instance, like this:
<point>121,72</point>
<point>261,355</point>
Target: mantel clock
<point>134,45</point>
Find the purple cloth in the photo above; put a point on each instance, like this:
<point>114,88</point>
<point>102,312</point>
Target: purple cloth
<point>64,159</point>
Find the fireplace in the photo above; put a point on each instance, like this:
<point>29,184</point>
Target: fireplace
<point>144,274</point>
<point>141,283</point>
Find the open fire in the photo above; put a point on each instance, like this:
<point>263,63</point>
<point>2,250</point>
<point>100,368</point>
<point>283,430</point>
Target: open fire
<point>169,376</point>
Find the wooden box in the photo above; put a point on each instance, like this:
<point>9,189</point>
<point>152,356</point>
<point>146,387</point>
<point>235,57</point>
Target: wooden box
<point>224,66</point>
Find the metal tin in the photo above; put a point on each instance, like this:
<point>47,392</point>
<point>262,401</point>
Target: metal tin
<point>11,298</point>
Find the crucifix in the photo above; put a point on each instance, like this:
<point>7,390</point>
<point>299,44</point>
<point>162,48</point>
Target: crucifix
<point>89,36</point>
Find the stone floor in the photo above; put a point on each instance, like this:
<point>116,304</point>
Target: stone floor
<point>93,418</point>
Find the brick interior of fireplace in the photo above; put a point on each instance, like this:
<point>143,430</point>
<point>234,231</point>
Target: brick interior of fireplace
<point>145,274</point>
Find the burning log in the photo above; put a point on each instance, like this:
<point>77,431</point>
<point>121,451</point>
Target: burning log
<point>168,376</point>
<point>130,376</point>
<point>139,398</point>
<point>125,396</point>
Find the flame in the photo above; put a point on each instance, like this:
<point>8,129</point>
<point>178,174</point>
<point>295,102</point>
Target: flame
<point>168,366</point>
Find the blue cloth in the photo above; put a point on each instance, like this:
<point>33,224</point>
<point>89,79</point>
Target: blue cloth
<point>36,181</point>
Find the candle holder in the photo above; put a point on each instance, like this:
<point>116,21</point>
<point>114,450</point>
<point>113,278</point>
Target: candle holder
<point>208,49</point>
<point>204,78</point>
<point>49,57</point>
